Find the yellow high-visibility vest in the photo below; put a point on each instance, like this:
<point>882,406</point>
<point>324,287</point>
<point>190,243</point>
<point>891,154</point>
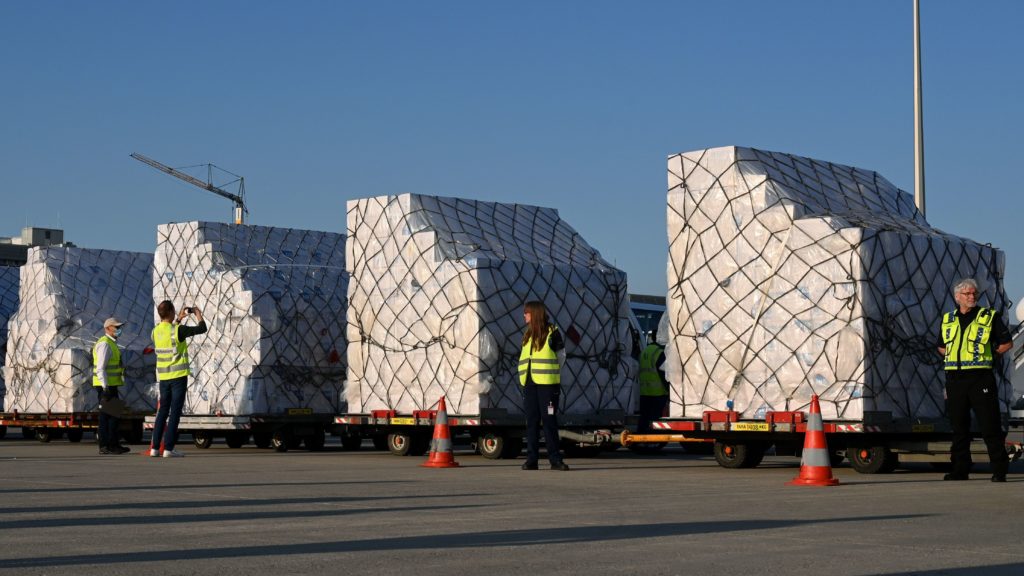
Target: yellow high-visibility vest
<point>542,365</point>
<point>171,353</point>
<point>115,372</point>
<point>970,349</point>
<point>650,380</point>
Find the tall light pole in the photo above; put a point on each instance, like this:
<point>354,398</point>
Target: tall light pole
<point>918,114</point>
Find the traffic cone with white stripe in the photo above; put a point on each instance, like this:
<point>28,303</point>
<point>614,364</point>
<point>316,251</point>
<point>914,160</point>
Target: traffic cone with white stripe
<point>815,468</point>
<point>441,455</point>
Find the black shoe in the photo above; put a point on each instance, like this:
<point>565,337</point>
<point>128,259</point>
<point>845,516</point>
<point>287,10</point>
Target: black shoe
<point>529,465</point>
<point>105,450</point>
<point>953,476</point>
<point>999,477</point>
<point>120,449</point>
<point>560,466</point>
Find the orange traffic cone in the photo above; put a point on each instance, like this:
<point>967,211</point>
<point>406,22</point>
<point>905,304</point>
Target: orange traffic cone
<point>815,468</point>
<point>441,447</point>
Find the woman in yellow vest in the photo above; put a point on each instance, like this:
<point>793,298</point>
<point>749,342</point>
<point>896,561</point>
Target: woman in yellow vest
<point>540,379</point>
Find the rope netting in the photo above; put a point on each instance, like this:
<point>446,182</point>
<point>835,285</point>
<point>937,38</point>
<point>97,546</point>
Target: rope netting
<point>790,276</point>
<point>436,299</point>
<point>64,297</point>
<point>274,300</point>
<point>9,279</point>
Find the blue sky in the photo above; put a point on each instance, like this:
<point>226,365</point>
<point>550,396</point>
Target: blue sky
<point>572,105</point>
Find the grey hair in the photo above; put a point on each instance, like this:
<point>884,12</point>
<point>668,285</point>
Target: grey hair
<point>965,283</point>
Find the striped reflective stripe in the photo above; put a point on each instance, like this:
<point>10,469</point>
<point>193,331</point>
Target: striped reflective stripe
<point>814,423</point>
<point>815,457</point>
<point>164,350</point>
<point>442,445</point>
<point>171,368</point>
<point>971,364</point>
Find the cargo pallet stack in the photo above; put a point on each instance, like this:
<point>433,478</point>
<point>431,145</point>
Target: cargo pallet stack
<point>791,277</point>
<point>436,293</point>
<point>65,294</point>
<point>271,367</point>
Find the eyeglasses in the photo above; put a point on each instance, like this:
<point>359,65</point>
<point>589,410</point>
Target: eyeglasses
<point>974,294</point>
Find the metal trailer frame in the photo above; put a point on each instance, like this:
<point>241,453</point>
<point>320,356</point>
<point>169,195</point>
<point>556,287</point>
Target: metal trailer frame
<point>877,444</point>
<point>48,426</point>
<point>283,431</point>
<point>494,433</point>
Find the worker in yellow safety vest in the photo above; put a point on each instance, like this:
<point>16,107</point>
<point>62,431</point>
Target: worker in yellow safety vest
<point>540,382</point>
<point>172,370</point>
<point>653,386</point>
<point>968,338</point>
<point>107,379</point>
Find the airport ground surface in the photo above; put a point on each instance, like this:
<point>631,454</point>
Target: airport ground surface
<point>64,509</point>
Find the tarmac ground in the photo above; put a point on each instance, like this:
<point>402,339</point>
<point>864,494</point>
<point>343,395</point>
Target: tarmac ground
<point>65,509</point>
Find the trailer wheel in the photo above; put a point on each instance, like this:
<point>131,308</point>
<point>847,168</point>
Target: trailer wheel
<point>835,457</point>
<point>496,446</point>
<point>872,459</point>
<point>400,444</point>
<point>202,439</point>
<point>736,455</point>
<point>352,441</point>
<point>262,439</point>
<point>236,439</point>
<point>75,435</point>
<point>280,441</point>
<point>44,435</point>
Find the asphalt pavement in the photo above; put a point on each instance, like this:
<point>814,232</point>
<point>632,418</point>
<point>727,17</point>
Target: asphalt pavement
<point>64,509</point>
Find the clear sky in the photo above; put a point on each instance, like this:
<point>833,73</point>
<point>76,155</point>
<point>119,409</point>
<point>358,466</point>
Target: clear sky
<point>572,105</point>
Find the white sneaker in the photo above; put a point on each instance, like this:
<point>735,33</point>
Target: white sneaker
<point>154,452</point>
<point>173,454</point>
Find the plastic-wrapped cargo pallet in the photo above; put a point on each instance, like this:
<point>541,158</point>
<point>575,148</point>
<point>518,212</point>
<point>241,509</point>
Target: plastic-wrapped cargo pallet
<point>436,298</point>
<point>790,277</point>
<point>274,300</point>
<point>65,295</point>
<point>9,278</point>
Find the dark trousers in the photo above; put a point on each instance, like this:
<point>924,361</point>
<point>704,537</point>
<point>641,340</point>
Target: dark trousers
<point>168,412</point>
<point>976,390</point>
<point>109,426</point>
<point>536,400</point>
<point>651,408</point>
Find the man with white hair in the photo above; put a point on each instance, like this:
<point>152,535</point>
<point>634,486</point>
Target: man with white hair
<point>970,338</point>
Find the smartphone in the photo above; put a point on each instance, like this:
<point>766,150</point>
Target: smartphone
<point>189,309</point>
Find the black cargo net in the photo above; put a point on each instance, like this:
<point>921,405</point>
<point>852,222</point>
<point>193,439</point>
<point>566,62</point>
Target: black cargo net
<point>64,297</point>
<point>274,300</point>
<point>790,277</point>
<point>436,300</point>
<point>8,305</point>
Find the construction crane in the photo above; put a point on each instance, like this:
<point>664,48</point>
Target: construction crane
<point>238,199</point>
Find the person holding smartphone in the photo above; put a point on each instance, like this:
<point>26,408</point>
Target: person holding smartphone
<point>172,370</point>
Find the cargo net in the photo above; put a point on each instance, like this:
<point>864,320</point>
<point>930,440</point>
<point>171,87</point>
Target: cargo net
<point>274,300</point>
<point>790,277</point>
<point>436,306</point>
<point>8,305</point>
<point>64,297</point>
